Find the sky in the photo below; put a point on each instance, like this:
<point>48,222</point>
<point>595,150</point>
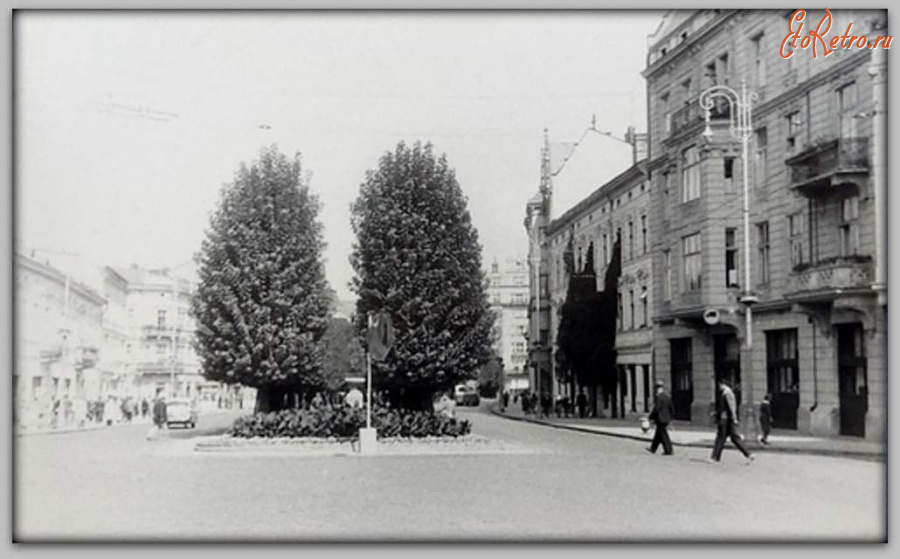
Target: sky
<point>129,124</point>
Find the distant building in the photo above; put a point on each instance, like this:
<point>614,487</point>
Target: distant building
<point>508,296</point>
<point>58,335</point>
<point>89,332</point>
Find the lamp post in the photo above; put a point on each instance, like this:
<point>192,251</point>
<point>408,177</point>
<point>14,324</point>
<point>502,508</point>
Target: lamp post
<point>741,127</point>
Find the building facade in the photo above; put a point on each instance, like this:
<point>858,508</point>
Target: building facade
<point>537,217</point>
<point>508,295</point>
<point>617,209</point>
<point>815,197</point>
<point>58,331</point>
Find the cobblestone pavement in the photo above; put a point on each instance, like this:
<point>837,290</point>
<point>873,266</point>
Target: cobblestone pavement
<point>115,485</point>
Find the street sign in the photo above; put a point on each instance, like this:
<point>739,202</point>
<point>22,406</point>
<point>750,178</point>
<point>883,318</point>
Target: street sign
<point>380,336</point>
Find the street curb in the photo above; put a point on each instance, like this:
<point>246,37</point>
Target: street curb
<point>783,450</point>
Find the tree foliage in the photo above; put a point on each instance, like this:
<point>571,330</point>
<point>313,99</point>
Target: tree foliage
<point>261,304</point>
<point>586,336</point>
<point>344,356</point>
<point>417,257</point>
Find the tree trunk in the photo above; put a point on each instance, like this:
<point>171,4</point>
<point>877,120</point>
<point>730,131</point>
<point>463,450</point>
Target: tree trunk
<point>263,400</point>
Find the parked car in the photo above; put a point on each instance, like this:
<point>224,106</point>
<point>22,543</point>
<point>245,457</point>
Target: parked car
<point>466,395</point>
<point>181,412</point>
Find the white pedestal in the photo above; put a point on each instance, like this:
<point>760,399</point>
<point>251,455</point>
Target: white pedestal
<point>367,441</point>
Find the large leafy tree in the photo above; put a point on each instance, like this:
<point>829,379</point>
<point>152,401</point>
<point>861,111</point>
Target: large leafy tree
<point>261,305</point>
<point>587,331</point>
<point>344,357</point>
<point>417,257</point>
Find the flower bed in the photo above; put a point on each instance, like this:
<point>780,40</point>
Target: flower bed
<point>344,422</point>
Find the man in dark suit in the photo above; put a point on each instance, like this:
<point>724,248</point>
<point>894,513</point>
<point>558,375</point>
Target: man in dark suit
<point>661,415</point>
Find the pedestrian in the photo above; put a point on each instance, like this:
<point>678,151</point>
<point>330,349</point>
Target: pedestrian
<point>145,407</point>
<point>160,417</point>
<point>55,420</point>
<point>581,402</point>
<point>505,400</point>
<point>67,410</point>
<point>727,422</point>
<point>765,418</point>
<point>80,408</point>
<point>661,415</point>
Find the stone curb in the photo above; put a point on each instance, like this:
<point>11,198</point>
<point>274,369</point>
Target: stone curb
<point>349,447</point>
<point>783,450</point>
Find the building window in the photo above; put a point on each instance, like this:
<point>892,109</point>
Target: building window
<point>729,173</point>
<point>762,243</point>
<point>796,230</point>
<point>846,111</point>
<point>762,159</point>
<point>630,239</point>
<point>849,227</point>
<point>605,249</point>
<point>664,110</point>
<point>620,310</point>
<point>631,306</point>
<point>161,320</point>
<point>690,174</point>
<point>693,272</point>
<point>682,365</point>
<point>722,70</point>
<point>782,361</point>
<point>645,304</point>
<point>731,257</point>
<point>667,275</point>
<point>686,91</point>
<point>759,61</point>
<point>794,125</point>
<point>643,234</point>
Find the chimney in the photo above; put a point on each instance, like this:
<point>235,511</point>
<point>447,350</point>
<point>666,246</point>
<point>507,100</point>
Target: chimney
<point>638,145</point>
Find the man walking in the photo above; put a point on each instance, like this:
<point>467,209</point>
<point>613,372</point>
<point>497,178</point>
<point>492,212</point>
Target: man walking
<point>581,402</point>
<point>662,413</point>
<point>160,416</point>
<point>727,420</point>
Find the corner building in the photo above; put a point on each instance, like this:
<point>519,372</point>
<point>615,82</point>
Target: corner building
<point>816,198</point>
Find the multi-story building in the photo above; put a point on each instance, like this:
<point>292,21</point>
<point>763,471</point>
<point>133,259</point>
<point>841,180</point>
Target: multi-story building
<point>537,217</point>
<point>617,209</point>
<point>508,295</point>
<point>161,354</point>
<point>815,192</point>
<point>58,331</point>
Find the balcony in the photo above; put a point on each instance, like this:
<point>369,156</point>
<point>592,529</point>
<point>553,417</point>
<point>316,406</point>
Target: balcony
<point>830,277</point>
<point>693,115</point>
<point>157,332</point>
<point>828,166</point>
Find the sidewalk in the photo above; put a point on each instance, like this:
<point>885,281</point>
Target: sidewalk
<point>21,431</point>
<point>698,436</point>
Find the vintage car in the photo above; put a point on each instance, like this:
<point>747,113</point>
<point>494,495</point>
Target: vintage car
<point>181,412</point>
<point>466,395</point>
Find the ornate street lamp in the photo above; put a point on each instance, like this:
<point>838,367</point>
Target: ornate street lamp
<point>741,127</point>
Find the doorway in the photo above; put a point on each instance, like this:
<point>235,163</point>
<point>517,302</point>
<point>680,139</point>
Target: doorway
<point>727,365</point>
<point>852,379</point>
<point>682,377</point>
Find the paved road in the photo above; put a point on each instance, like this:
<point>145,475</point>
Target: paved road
<point>114,485</point>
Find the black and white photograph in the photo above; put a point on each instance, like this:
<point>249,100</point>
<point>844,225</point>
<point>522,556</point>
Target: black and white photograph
<point>475,276</point>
